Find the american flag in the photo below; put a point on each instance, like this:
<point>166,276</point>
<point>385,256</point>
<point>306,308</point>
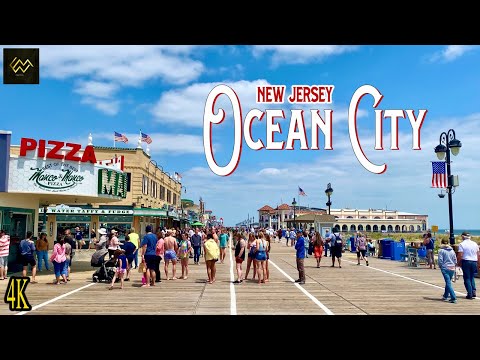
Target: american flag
<point>120,137</point>
<point>439,176</point>
<point>301,192</point>
<point>146,138</point>
<point>178,175</point>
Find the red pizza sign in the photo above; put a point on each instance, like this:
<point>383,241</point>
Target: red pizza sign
<point>27,144</point>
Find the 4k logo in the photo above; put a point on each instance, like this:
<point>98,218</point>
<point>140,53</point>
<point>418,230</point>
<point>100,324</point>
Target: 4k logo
<point>15,294</point>
<point>21,66</point>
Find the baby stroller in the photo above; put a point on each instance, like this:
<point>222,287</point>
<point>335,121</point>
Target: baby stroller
<point>106,269</point>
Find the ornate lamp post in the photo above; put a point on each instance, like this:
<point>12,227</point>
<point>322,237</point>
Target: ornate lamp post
<point>329,192</point>
<point>449,143</point>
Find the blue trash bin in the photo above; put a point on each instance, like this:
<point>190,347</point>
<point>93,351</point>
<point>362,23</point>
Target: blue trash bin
<point>398,248</point>
<point>386,248</point>
<point>352,244</point>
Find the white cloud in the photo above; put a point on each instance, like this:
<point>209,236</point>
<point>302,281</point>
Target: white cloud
<point>126,65</point>
<point>108,107</point>
<point>452,52</point>
<point>107,68</point>
<point>96,89</point>
<point>269,171</point>
<point>300,54</point>
<point>186,106</point>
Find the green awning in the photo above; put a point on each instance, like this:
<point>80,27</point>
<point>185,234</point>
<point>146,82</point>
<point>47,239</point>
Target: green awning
<point>149,212</point>
<point>198,223</point>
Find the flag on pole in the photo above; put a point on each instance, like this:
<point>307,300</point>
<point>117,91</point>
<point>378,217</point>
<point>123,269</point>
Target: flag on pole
<point>178,175</point>
<point>439,176</point>
<point>146,138</point>
<point>120,137</point>
<point>301,192</point>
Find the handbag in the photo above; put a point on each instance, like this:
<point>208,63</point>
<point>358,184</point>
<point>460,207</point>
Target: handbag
<point>141,268</point>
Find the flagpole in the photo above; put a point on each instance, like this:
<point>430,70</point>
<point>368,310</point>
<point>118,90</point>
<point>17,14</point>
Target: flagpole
<point>114,141</point>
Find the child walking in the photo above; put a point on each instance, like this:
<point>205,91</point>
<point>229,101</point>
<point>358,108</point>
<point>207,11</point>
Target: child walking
<point>121,263</point>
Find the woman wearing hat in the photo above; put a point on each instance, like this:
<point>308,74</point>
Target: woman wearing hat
<point>113,244</point>
<point>102,242</point>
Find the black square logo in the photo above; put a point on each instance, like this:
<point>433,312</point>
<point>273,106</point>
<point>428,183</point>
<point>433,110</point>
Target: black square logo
<point>21,66</point>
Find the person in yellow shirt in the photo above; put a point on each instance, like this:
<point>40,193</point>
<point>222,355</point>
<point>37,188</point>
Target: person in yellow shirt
<point>134,240</point>
<point>212,252</point>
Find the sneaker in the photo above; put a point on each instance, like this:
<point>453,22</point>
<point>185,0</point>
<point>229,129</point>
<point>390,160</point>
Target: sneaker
<point>452,301</point>
<point>302,282</point>
<point>468,297</point>
<point>298,280</point>
<point>474,294</point>
<point>444,298</point>
<point>332,265</point>
<point>236,282</point>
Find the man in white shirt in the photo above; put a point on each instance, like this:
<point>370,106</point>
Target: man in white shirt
<point>467,258</point>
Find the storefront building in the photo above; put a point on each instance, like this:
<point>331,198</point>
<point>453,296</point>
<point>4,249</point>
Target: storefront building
<point>39,173</point>
<point>153,195</point>
<point>152,198</point>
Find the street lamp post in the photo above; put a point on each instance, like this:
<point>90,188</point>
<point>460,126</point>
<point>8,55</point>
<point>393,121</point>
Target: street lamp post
<point>329,192</point>
<point>448,142</point>
<point>294,204</point>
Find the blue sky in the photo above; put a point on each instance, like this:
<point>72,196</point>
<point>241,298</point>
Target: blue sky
<point>162,90</point>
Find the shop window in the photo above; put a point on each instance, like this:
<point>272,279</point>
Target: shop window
<point>144,185</point>
<point>122,228</point>
<point>174,199</point>
<point>84,228</point>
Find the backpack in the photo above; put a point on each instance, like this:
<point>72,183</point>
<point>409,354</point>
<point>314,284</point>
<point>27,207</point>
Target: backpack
<point>338,241</point>
<point>361,243</point>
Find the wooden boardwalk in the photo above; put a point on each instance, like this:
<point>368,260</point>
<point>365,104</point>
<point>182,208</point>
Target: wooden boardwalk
<point>385,287</point>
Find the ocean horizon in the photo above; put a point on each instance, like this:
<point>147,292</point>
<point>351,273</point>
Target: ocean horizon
<point>458,232</point>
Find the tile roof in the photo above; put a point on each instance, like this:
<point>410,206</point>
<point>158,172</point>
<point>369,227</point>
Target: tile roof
<point>265,208</point>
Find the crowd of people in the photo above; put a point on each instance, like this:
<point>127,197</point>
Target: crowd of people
<point>253,246</point>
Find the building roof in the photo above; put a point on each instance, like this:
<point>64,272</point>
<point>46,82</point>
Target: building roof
<point>266,208</point>
<point>283,207</point>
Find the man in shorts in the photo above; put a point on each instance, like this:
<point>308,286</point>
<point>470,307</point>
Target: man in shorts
<point>171,247</point>
<point>149,244</point>
<point>27,251</point>
<point>336,248</point>
<point>361,246</point>
<point>78,238</point>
